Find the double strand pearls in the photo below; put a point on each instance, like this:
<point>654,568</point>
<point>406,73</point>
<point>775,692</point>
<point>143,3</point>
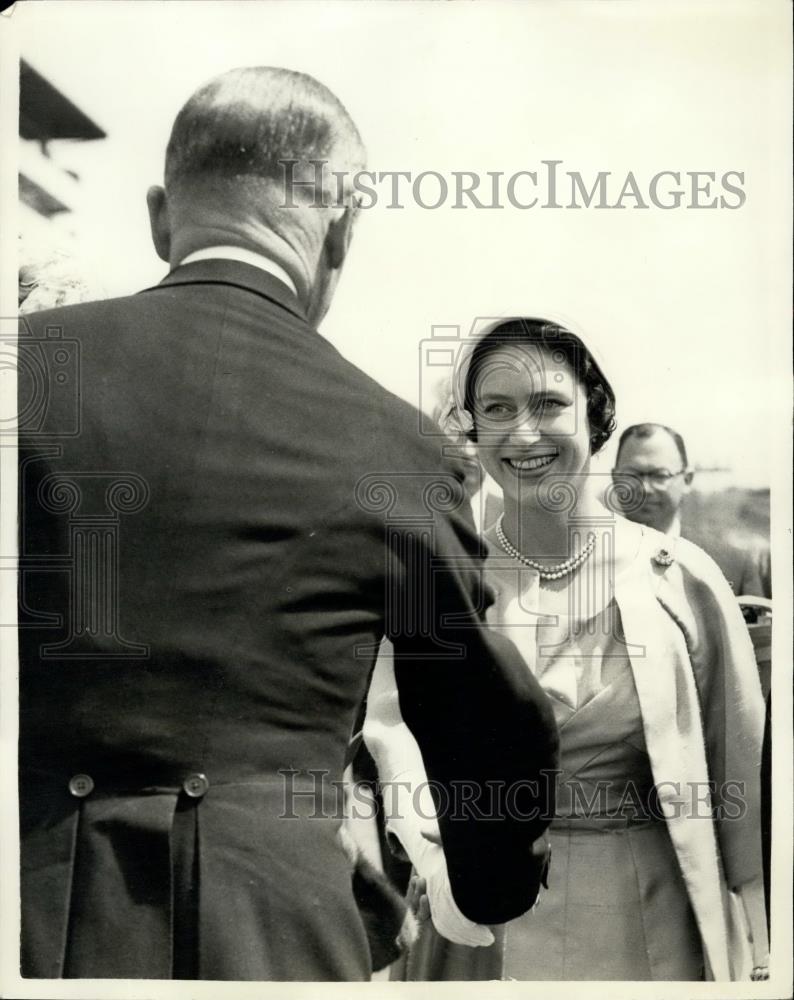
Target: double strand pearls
<point>546,572</point>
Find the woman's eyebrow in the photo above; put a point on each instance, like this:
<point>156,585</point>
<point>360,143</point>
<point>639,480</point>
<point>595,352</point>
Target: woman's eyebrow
<point>497,395</point>
<point>527,401</point>
<point>557,392</point>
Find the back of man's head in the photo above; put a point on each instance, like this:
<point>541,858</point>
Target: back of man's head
<point>247,123</point>
<point>263,159</point>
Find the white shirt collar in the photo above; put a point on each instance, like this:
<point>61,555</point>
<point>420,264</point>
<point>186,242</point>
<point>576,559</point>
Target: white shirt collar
<point>245,257</point>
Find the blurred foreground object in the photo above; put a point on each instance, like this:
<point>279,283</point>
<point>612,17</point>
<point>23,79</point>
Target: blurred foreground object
<point>50,277</point>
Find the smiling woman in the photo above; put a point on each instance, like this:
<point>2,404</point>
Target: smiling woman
<point>540,406</point>
<point>643,654</point>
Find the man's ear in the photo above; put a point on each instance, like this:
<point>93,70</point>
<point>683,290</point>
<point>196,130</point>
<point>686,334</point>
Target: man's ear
<point>159,221</point>
<point>338,237</point>
<point>689,475</point>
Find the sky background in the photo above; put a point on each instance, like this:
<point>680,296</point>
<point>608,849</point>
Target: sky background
<point>684,305</point>
<point>690,309</point>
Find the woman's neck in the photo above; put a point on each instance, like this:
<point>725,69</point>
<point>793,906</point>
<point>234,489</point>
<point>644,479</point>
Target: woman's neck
<point>545,534</point>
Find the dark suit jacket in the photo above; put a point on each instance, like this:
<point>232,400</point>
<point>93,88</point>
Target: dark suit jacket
<point>220,519</point>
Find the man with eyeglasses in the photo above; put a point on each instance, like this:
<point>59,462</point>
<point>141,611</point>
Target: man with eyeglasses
<point>656,455</point>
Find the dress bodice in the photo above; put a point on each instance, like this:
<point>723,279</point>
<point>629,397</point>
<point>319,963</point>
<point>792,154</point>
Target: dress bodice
<point>584,668</point>
<point>605,771</point>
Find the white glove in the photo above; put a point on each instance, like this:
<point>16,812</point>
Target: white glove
<point>447,918</point>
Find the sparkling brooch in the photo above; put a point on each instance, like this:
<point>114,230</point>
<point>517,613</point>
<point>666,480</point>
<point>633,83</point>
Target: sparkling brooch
<point>663,558</point>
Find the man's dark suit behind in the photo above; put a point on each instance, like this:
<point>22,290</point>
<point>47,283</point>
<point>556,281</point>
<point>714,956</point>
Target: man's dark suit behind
<point>207,567</point>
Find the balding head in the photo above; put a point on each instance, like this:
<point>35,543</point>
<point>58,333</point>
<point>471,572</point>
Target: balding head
<point>241,169</point>
<point>246,123</point>
<point>644,431</point>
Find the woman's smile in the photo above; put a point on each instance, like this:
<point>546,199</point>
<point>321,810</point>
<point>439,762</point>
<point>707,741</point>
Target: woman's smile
<point>537,461</point>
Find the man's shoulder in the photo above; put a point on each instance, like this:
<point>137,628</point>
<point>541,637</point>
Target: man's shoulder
<point>738,562</point>
<point>397,427</point>
<point>393,433</point>
<point>79,313</point>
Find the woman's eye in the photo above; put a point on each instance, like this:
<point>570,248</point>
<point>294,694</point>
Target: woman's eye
<point>554,404</point>
<point>497,410</point>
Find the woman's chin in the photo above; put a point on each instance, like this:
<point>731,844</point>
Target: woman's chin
<point>529,493</point>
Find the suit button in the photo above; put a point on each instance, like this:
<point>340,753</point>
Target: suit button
<point>81,785</point>
<point>195,785</point>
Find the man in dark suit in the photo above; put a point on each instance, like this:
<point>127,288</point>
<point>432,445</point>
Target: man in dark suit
<point>220,518</point>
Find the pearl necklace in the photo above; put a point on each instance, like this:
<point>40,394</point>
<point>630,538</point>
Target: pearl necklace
<point>546,572</point>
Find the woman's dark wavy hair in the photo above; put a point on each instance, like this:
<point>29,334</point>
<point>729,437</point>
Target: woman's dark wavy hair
<point>600,397</point>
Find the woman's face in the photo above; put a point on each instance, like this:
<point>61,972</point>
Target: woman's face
<point>530,418</point>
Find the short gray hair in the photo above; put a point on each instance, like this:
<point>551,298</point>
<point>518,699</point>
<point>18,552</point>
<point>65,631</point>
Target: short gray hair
<point>245,123</point>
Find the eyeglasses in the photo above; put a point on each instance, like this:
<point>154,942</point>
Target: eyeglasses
<point>660,479</point>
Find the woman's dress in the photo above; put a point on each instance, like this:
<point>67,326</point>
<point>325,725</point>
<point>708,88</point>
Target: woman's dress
<point>617,906</point>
